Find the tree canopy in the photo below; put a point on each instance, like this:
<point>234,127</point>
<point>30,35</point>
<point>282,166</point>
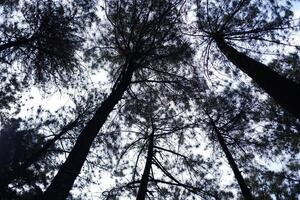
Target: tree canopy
<point>155,99</point>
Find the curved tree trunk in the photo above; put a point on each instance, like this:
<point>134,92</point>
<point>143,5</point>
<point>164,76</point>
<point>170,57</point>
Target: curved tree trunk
<point>64,179</point>
<point>238,175</point>
<point>284,91</point>
<point>145,177</point>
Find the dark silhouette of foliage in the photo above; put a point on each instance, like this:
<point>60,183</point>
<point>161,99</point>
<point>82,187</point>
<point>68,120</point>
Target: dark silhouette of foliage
<point>245,21</point>
<point>16,147</point>
<point>156,99</point>
<point>45,40</point>
<point>157,43</point>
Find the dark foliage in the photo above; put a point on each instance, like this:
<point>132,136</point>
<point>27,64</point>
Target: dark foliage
<point>149,100</point>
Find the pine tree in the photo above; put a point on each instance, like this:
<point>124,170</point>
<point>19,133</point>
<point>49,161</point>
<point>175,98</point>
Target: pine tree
<point>138,40</point>
<point>254,22</point>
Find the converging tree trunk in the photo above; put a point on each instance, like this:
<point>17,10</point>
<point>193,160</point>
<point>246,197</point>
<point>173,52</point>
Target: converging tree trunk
<point>284,91</point>
<point>238,175</point>
<point>64,179</point>
<point>145,177</point>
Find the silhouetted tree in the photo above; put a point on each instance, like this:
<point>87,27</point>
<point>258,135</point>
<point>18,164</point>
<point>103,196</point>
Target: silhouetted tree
<point>137,39</point>
<point>45,40</point>
<point>161,126</point>
<point>254,22</point>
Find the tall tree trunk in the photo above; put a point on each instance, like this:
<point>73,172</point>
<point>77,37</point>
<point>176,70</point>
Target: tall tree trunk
<point>284,91</point>
<point>238,175</point>
<point>64,179</point>
<point>145,177</point>
<point>19,170</point>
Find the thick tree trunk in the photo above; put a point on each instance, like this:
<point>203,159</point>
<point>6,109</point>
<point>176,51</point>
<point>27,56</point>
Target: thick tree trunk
<point>284,91</point>
<point>145,177</point>
<point>64,179</point>
<point>19,170</point>
<point>238,175</point>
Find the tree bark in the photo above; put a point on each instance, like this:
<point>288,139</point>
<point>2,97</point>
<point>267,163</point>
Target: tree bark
<point>238,175</point>
<point>145,177</point>
<point>284,91</point>
<point>64,179</point>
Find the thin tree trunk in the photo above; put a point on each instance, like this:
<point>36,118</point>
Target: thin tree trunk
<point>284,91</point>
<point>145,177</point>
<point>238,175</point>
<point>64,179</point>
<point>19,170</point>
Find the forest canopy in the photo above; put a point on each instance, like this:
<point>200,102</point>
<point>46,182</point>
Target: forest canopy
<point>149,99</point>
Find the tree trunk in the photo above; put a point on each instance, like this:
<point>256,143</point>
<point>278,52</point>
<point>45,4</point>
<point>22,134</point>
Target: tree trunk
<point>238,175</point>
<point>64,179</point>
<point>284,91</point>
<point>145,178</point>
